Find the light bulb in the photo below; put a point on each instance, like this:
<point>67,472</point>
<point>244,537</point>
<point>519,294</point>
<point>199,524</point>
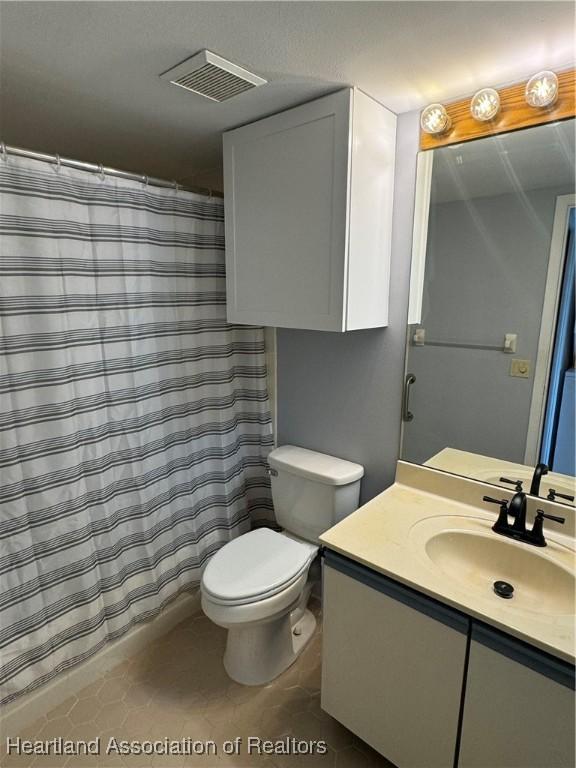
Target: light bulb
<point>542,90</point>
<point>485,104</point>
<point>435,119</point>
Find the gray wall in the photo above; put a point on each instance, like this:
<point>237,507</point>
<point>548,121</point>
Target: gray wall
<point>341,393</point>
<point>486,267</point>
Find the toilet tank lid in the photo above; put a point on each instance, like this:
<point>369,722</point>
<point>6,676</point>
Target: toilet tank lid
<point>315,466</point>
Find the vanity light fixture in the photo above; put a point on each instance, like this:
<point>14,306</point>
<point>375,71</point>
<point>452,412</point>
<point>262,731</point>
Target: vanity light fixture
<point>544,98</point>
<point>485,104</point>
<point>542,90</point>
<point>435,120</point>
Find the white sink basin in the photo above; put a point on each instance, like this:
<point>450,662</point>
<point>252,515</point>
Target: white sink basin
<point>467,551</point>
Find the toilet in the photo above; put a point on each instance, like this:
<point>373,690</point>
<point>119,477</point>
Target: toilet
<point>257,586</point>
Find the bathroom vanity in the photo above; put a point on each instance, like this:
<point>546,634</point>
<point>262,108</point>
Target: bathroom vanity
<point>421,658</point>
<point>449,628</point>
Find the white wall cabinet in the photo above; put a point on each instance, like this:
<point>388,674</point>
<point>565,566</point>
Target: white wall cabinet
<point>391,673</point>
<point>308,209</point>
<point>519,707</point>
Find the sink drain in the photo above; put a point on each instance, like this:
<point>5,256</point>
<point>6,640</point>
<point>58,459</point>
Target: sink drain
<point>503,589</point>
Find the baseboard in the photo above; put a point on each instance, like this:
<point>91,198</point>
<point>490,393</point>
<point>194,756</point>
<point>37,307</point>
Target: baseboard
<point>20,713</point>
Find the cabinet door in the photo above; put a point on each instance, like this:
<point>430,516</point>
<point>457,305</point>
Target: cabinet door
<point>518,707</point>
<point>393,665</point>
<point>371,208</point>
<point>286,210</point>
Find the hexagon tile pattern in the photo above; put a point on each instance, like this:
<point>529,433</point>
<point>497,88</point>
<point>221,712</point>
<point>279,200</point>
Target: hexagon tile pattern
<point>177,688</point>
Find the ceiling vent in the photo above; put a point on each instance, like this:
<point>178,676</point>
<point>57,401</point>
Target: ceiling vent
<point>212,76</point>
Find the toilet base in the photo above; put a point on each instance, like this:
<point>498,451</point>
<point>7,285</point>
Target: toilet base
<point>257,653</point>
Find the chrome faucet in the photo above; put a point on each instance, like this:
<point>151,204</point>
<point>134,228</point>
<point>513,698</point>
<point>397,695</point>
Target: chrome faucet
<point>539,471</point>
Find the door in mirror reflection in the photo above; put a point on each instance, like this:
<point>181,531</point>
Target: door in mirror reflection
<point>491,334</point>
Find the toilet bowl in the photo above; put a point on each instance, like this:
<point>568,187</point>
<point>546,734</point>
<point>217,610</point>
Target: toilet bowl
<point>257,586</point>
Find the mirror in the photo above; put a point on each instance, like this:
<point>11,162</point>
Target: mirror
<point>490,378</point>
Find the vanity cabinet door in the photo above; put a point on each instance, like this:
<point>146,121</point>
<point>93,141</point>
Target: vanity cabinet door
<point>393,665</point>
<point>518,708</point>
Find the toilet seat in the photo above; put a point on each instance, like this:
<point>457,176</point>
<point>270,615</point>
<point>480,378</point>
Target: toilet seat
<point>255,566</point>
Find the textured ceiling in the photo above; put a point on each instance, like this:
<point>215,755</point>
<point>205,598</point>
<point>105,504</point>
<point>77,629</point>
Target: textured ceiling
<point>81,78</point>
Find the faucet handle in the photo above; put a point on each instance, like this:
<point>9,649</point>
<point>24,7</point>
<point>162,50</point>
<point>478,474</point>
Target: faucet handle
<point>541,514</point>
<point>501,525</point>
<point>536,535</point>
<point>552,494</point>
<point>517,483</point>
<point>502,503</point>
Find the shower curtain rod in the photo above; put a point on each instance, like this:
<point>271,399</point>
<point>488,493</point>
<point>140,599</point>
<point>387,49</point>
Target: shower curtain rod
<point>104,170</point>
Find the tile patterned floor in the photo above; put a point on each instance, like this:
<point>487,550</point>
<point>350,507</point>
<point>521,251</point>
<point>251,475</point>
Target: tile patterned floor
<point>177,687</point>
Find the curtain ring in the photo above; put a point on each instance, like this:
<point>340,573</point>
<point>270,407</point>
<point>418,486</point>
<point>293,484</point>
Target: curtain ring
<point>58,164</point>
<point>146,181</point>
<point>176,186</point>
<point>3,152</point>
<point>101,173</point>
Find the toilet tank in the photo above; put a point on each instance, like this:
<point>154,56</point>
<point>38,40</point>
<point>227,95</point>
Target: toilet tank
<point>312,491</point>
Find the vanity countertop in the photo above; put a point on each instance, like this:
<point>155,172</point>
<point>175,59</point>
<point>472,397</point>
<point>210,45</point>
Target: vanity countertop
<point>386,535</point>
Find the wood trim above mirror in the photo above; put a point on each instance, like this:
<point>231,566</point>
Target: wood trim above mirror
<point>514,114</point>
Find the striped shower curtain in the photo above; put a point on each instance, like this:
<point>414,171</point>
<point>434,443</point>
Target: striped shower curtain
<point>134,421</point>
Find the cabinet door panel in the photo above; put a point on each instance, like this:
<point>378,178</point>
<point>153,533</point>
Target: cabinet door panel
<point>371,207</point>
<point>391,674</point>
<point>286,182</point>
<point>514,716</point>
